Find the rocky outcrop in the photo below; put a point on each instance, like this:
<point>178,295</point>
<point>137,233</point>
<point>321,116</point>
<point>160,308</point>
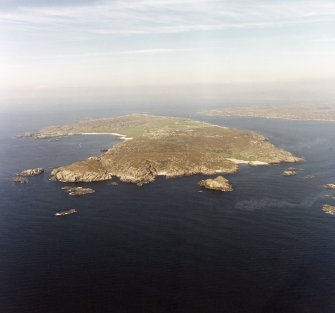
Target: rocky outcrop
<point>329,186</point>
<point>219,183</point>
<point>328,209</point>
<point>289,173</point>
<point>20,179</point>
<point>31,172</point>
<point>77,191</point>
<point>67,212</point>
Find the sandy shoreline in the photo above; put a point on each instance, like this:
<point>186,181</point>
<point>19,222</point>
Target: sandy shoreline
<point>254,163</point>
<point>122,137</point>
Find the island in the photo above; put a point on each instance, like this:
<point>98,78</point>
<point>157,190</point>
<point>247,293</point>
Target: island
<point>154,146</point>
<point>219,183</point>
<point>288,112</point>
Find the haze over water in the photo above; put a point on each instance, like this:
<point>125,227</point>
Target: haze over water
<point>165,247</point>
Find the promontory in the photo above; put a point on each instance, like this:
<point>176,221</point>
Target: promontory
<point>162,145</point>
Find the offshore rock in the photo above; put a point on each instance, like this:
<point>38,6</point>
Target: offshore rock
<point>31,172</point>
<point>289,173</point>
<point>328,209</point>
<point>20,179</point>
<point>77,191</point>
<point>329,186</point>
<point>219,183</point>
<point>67,212</point>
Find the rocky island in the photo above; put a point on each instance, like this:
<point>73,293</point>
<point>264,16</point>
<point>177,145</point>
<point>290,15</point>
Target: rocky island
<point>167,146</point>
<point>219,183</point>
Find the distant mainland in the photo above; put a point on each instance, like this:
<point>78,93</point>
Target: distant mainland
<point>288,112</point>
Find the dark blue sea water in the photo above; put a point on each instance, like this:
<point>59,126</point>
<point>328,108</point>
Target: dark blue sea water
<point>266,247</point>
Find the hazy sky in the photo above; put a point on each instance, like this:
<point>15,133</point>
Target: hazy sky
<point>48,44</point>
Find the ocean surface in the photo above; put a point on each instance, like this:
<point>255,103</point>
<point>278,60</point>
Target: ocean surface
<point>165,247</point>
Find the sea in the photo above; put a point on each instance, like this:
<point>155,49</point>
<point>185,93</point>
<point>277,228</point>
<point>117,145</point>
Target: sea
<point>169,246</point>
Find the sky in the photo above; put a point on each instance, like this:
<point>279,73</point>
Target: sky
<point>48,47</point>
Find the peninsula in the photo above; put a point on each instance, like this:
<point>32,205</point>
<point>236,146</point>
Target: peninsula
<point>167,146</point>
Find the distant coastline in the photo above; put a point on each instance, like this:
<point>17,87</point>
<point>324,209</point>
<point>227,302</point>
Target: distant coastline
<point>294,113</point>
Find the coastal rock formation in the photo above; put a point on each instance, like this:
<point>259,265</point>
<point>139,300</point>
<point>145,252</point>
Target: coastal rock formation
<point>67,212</point>
<point>165,146</point>
<point>77,191</point>
<point>31,172</point>
<point>328,209</point>
<point>329,186</point>
<point>20,179</point>
<point>219,183</point>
